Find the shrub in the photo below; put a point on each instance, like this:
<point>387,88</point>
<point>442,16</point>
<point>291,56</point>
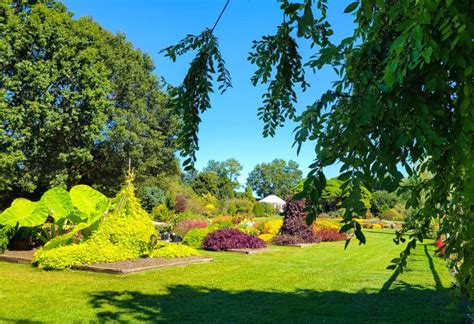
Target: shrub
<point>330,234</point>
<point>231,238</point>
<point>151,197</point>
<point>239,206</point>
<point>294,223</point>
<point>324,224</point>
<point>271,227</point>
<point>6,234</point>
<point>339,213</point>
<point>123,234</point>
<point>161,213</point>
<point>391,214</point>
<point>267,237</point>
<point>181,204</point>
<point>223,222</point>
<point>173,250</point>
<point>285,239</point>
<point>195,236</point>
<point>263,209</point>
<point>377,226</point>
<point>185,225</point>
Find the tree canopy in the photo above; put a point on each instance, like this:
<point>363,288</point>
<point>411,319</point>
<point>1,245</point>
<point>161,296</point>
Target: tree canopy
<point>76,102</point>
<point>402,97</point>
<point>277,177</point>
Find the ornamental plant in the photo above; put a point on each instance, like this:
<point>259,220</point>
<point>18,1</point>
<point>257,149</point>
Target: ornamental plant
<point>294,225</point>
<point>329,235</point>
<point>231,238</point>
<point>184,226</point>
<point>173,250</point>
<point>123,233</point>
<point>196,236</point>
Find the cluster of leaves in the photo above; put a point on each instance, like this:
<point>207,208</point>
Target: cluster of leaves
<point>123,233</point>
<point>262,209</point>
<point>62,214</point>
<point>294,224</point>
<point>191,98</point>
<point>173,250</point>
<point>277,177</point>
<point>6,234</point>
<point>196,236</point>
<point>185,226</point>
<point>329,235</point>
<point>231,238</point>
<point>77,101</point>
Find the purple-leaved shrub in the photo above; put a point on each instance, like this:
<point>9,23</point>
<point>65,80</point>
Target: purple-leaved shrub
<point>294,229</point>
<point>231,238</point>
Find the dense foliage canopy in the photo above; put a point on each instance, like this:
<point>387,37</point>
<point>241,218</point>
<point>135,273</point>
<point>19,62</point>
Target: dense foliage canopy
<point>277,177</point>
<point>403,97</point>
<point>76,102</point>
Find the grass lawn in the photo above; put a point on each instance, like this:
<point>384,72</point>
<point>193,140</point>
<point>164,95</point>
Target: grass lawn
<point>318,283</point>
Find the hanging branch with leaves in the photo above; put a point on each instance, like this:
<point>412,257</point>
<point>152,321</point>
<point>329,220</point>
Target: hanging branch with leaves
<point>191,98</point>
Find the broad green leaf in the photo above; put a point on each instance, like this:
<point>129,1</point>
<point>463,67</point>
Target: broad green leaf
<point>59,202</point>
<point>65,238</point>
<point>25,213</point>
<point>88,200</point>
<point>351,7</point>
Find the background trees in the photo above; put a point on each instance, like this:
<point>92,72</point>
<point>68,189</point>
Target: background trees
<point>75,103</point>
<point>402,97</point>
<point>277,177</point>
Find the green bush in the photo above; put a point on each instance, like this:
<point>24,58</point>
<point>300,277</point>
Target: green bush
<point>151,197</point>
<point>6,234</point>
<point>123,234</point>
<point>174,250</point>
<point>195,236</point>
<point>391,214</point>
<point>263,209</point>
<point>239,206</point>
<point>161,213</point>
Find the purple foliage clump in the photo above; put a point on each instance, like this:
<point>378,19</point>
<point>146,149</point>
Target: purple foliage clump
<point>294,229</point>
<point>231,238</point>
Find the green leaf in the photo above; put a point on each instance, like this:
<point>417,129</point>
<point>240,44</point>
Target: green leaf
<point>351,7</point>
<point>59,203</point>
<point>88,200</point>
<point>25,213</point>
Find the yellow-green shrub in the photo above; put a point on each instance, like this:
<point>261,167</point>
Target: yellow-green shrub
<point>123,234</point>
<point>272,226</point>
<point>326,223</point>
<point>267,237</point>
<point>174,250</point>
<point>195,236</point>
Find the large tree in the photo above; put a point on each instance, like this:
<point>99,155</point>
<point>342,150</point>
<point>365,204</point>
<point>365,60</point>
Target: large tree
<point>403,96</point>
<point>277,177</point>
<point>76,102</point>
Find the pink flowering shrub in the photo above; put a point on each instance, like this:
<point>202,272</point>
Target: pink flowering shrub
<point>185,225</point>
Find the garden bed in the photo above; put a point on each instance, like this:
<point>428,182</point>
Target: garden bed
<point>121,267</point>
<point>142,264</point>
<point>23,257</point>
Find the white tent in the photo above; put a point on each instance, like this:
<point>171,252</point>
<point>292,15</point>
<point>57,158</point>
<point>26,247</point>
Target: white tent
<point>275,201</point>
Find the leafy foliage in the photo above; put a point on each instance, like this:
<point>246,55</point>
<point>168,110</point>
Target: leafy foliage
<point>6,234</point>
<point>263,209</point>
<point>231,238</point>
<point>173,250</point>
<point>196,236</point>
<point>186,225</point>
<point>277,177</point>
<point>191,98</point>
<point>403,97</point>
<point>294,224</point>
<point>73,107</point>
<point>124,233</point>
<point>329,235</point>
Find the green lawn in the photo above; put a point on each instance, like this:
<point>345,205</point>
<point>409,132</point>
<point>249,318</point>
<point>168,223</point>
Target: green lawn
<point>319,283</point>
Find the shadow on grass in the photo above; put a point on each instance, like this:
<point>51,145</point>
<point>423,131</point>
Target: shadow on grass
<point>191,303</point>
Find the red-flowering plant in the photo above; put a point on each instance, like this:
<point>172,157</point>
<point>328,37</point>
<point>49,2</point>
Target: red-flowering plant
<point>440,247</point>
<point>330,234</point>
<point>231,238</point>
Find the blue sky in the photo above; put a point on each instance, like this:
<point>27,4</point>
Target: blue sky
<point>231,128</point>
